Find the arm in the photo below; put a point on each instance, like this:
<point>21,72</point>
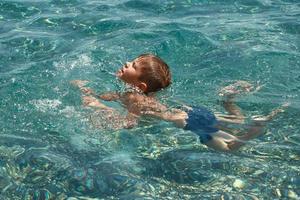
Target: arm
<point>175,116</point>
<point>110,96</point>
<point>81,85</point>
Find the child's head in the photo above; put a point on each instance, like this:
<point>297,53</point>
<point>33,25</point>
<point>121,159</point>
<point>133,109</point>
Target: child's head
<point>147,72</point>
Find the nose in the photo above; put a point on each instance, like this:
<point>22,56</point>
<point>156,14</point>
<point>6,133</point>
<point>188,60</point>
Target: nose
<point>127,64</point>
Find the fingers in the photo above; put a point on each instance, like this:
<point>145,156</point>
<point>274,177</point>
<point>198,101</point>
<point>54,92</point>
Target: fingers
<point>86,91</point>
<point>238,88</point>
<point>286,104</point>
<point>80,84</point>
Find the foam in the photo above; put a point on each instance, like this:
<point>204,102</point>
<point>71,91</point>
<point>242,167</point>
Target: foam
<point>45,105</point>
<point>82,60</point>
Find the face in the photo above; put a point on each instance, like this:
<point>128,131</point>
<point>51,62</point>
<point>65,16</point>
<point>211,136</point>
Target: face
<point>130,73</point>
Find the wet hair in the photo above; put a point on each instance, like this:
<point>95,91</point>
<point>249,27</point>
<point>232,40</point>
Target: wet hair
<point>155,72</point>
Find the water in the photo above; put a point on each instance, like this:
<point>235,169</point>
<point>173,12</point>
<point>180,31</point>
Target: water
<point>50,150</point>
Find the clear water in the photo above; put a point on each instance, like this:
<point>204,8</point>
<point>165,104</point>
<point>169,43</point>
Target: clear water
<point>50,150</point>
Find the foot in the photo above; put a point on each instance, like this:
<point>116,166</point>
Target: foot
<point>237,88</point>
<point>269,117</point>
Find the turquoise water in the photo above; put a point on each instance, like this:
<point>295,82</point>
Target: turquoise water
<point>50,150</point>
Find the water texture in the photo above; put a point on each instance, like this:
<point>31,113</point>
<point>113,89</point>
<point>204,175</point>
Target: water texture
<point>50,150</point>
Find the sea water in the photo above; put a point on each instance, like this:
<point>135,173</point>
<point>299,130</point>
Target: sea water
<point>49,149</point>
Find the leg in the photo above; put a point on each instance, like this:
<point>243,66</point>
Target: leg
<point>258,123</point>
<point>272,114</point>
<point>225,121</point>
<point>232,119</point>
<point>229,93</point>
<point>236,88</point>
<point>222,141</point>
<point>226,142</point>
<point>231,107</point>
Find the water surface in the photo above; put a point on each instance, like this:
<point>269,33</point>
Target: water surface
<point>50,150</point>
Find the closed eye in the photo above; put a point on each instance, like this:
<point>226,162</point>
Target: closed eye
<point>133,65</point>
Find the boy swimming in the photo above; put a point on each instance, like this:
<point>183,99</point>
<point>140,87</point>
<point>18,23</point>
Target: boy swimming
<point>148,74</point>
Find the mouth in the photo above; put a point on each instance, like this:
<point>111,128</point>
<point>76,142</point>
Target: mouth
<point>120,72</point>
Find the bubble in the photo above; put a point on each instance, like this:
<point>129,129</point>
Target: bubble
<point>45,105</point>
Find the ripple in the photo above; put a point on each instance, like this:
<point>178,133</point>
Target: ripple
<point>291,27</point>
<point>17,10</point>
<point>22,49</point>
<point>82,61</point>
<point>44,105</point>
<point>144,6</point>
<point>50,150</point>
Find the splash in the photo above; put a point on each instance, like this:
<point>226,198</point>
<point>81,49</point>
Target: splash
<point>45,105</point>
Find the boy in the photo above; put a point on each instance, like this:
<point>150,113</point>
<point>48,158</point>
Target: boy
<point>148,74</point>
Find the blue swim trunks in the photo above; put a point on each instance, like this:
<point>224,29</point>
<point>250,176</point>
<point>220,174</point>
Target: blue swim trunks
<point>202,122</point>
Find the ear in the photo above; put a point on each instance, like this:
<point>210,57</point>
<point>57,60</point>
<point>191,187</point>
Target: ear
<point>143,86</point>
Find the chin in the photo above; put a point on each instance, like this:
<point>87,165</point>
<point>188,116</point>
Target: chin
<point>119,74</point>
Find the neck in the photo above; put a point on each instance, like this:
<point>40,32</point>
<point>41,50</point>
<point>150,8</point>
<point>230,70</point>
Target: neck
<point>135,89</point>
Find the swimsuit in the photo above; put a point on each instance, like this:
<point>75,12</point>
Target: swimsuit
<point>202,122</point>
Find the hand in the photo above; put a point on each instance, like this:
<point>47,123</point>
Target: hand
<point>79,83</point>
<point>87,91</point>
